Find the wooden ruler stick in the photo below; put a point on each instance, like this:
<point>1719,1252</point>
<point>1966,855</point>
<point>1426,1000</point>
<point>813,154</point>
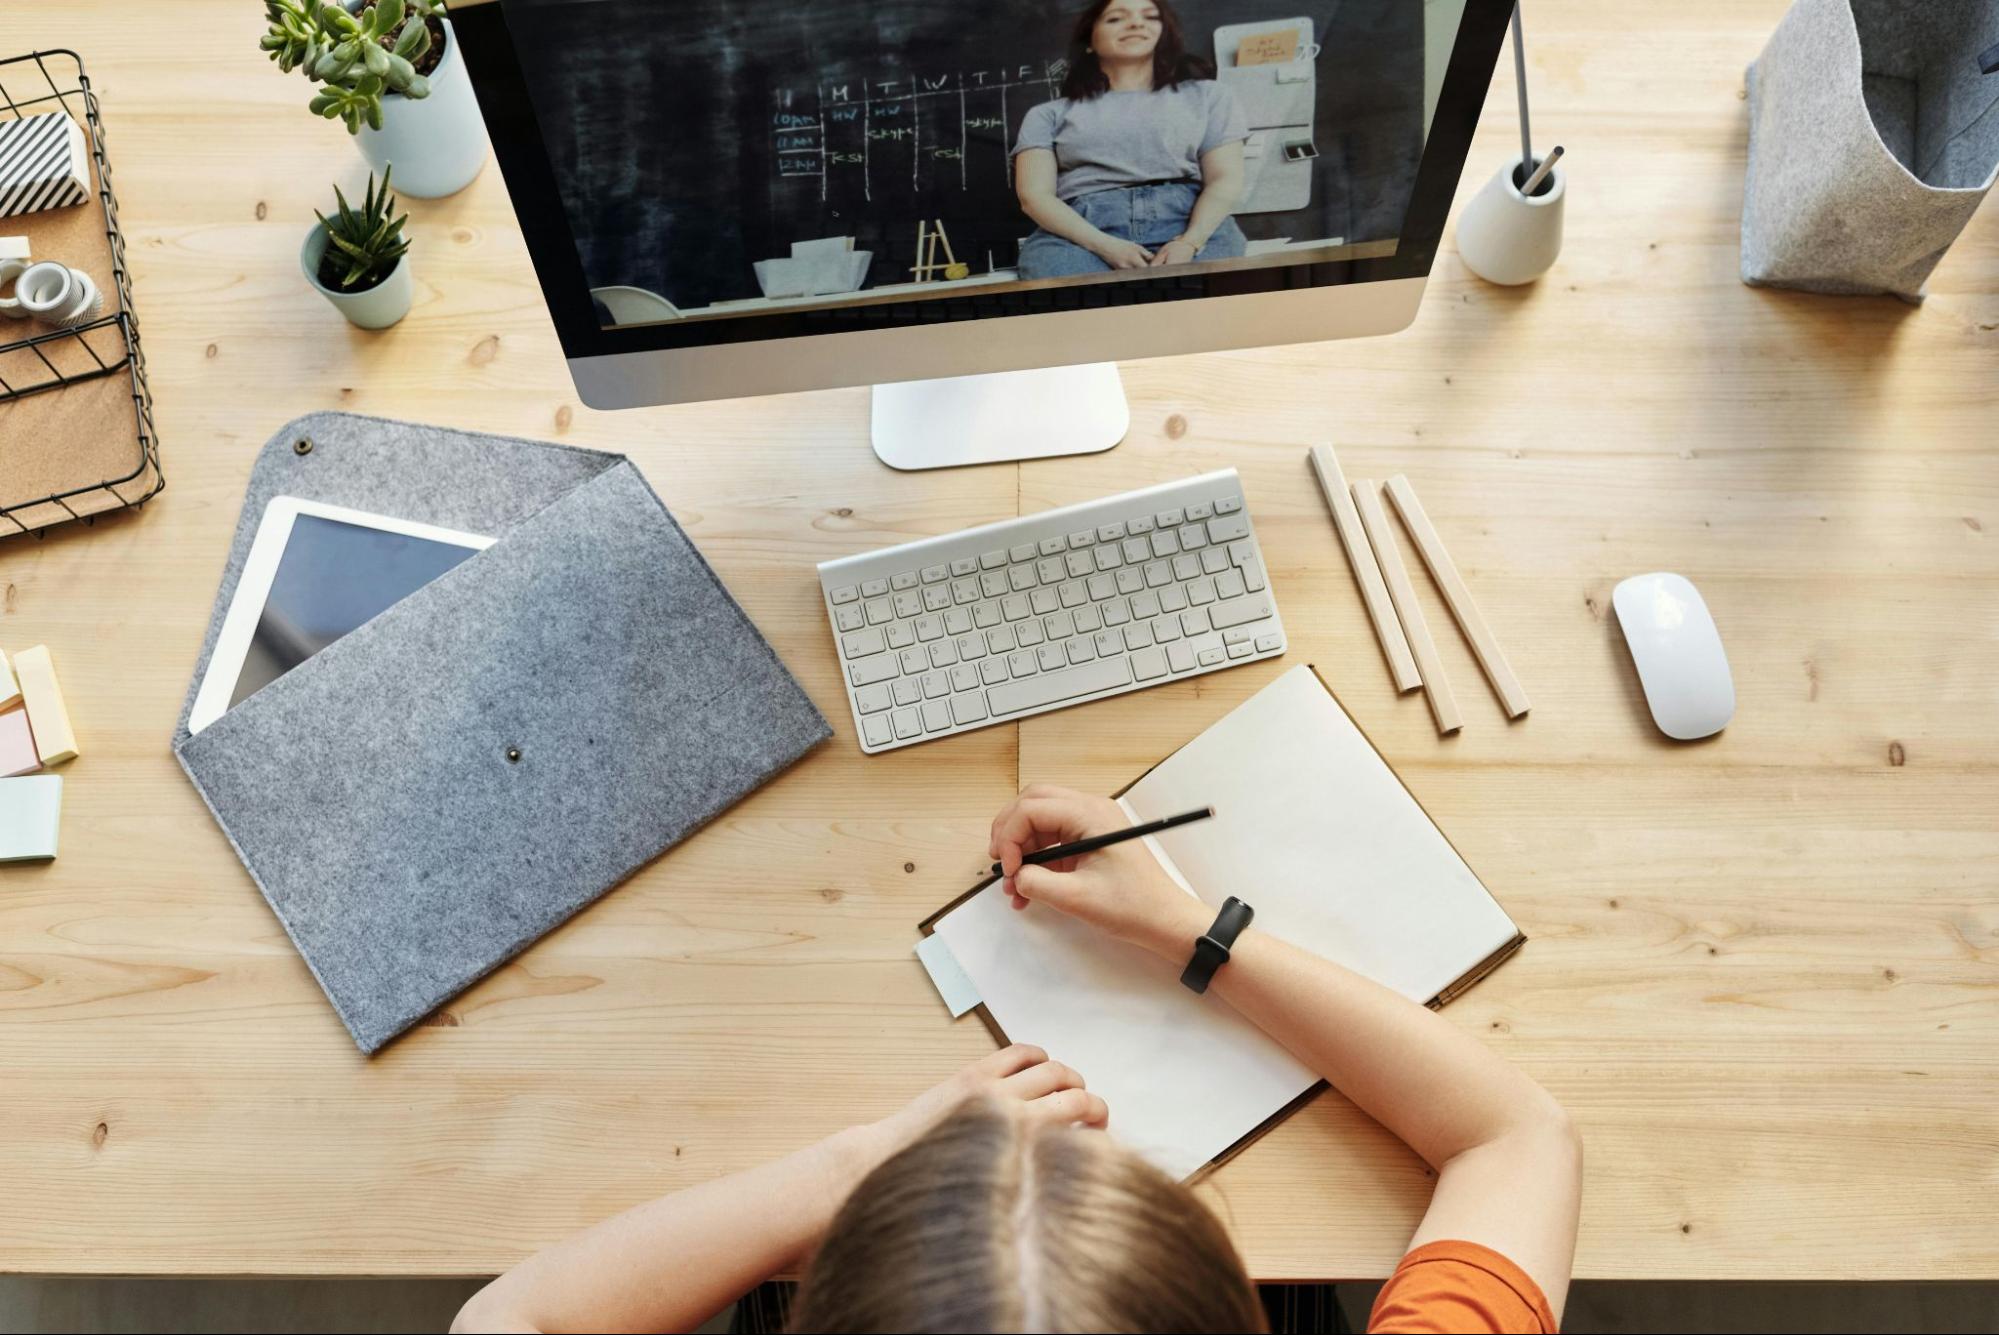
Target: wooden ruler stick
<point>1436,688</point>
<point>1470,620</point>
<point>1346,521</point>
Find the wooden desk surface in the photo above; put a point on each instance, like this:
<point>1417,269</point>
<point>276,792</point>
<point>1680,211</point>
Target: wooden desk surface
<point>1764,970</point>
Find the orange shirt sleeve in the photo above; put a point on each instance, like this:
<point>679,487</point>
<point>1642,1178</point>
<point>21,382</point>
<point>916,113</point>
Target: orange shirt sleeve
<point>1460,1287</point>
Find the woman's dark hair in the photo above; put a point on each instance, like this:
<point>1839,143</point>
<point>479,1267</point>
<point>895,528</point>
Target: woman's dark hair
<point>1172,63</point>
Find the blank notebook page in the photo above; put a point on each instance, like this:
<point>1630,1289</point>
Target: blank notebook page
<point>1311,828</point>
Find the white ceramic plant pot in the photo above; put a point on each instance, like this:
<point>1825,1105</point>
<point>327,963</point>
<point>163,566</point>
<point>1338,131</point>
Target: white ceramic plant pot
<point>438,143</point>
<point>377,307</point>
<point>1506,237</point>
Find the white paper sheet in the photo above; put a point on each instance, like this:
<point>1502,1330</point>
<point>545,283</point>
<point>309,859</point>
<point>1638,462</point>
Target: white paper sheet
<point>1316,833</point>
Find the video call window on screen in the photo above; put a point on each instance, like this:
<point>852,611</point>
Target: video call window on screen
<point>717,158</point>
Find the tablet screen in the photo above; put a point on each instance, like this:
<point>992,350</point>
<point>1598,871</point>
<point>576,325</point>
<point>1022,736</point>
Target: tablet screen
<point>333,577</point>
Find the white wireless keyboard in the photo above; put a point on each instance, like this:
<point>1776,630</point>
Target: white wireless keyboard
<point>1007,620</point>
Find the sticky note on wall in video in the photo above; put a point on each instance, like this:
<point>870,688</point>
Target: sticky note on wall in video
<point>1268,48</point>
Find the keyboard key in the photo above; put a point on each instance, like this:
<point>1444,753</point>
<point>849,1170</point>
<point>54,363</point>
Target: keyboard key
<point>1102,587</point>
<point>907,724</point>
<point>964,565</point>
<point>1266,643</point>
<point>1179,657</point>
<point>943,654</point>
<point>935,574</point>
<point>1137,635</point>
<point>1228,505</point>
<point>992,583</point>
<point>1192,537</point>
<point>1147,664</point>
<point>1239,651</point>
<point>874,588</point>
<point>875,730</point>
<point>1202,511</point>
<point>907,690</point>
<point>849,617</point>
<point>1229,584</point>
<point>1047,688</point>
<point>929,628</point>
<point>1171,518</point>
<point>871,699</point>
<point>1082,538</point>
<point>986,615</point>
<point>1165,542</point>
<point>1110,532</point>
<point>1050,571</point>
<point>1194,621</point>
<point>1214,560</point>
<point>1116,612</point>
<point>1158,575</point>
<point>906,580</point>
<point>1186,566</point>
<point>1164,629</point>
<point>913,660</point>
<point>1201,592</point>
<point>1029,634</point>
<point>1043,601</point>
<point>1050,656</point>
<point>1109,643</point>
<point>964,591</point>
<point>1227,528</point>
<point>1142,524</point>
<point>936,685</point>
<point>936,716</point>
<point>868,671</point>
<point>1088,619</point>
<point>1210,657</point>
<point>971,646</point>
<point>1238,635</point>
<point>848,594</point>
<point>1136,549</point>
<point>869,641</point>
<point>969,708</point>
<point>1109,558</point>
<point>1022,663</point>
<point>1238,611</point>
<point>1000,640</point>
<point>936,597</point>
<point>1172,598</point>
<point>1052,546</point>
<point>993,671</point>
<point>1145,605</point>
<point>992,560</point>
<point>964,677</point>
<point>1023,552</point>
<point>1014,606</point>
<point>1080,564</point>
<point>1074,594</point>
<point>1081,649</point>
<point>900,635</point>
<point>1129,580</point>
<point>908,603</point>
<point>878,611</point>
<point>957,621</point>
<point>1060,626</point>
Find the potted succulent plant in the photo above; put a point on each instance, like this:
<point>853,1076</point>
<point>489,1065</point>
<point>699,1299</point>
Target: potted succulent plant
<point>359,258</point>
<point>391,71</point>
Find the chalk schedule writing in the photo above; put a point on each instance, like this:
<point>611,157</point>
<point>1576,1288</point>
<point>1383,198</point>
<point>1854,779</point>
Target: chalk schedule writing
<point>694,138</point>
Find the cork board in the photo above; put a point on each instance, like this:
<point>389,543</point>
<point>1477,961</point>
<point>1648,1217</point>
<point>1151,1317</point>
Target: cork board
<point>82,435</point>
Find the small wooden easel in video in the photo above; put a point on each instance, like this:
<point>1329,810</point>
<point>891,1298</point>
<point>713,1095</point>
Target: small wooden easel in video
<point>929,236</point>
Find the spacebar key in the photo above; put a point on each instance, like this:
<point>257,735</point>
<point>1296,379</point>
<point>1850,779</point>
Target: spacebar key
<point>1031,692</point>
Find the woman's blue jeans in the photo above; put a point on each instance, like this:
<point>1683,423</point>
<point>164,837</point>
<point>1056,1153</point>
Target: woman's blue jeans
<point>1151,215</point>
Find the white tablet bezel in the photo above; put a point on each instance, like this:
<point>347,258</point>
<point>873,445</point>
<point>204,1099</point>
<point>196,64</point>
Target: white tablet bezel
<point>260,568</point>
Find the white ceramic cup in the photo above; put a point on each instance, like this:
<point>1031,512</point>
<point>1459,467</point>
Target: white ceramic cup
<point>1506,237</point>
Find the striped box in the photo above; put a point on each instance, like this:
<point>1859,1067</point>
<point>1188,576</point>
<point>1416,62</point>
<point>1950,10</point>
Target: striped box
<point>41,164</point>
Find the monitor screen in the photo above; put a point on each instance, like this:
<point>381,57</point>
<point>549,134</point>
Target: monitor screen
<point>850,164</point>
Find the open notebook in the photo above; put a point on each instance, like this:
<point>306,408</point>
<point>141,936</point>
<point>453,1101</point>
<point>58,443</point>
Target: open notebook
<point>1313,830</point>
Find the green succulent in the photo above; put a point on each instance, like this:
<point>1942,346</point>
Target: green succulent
<point>358,55</point>
<point>369,238</point>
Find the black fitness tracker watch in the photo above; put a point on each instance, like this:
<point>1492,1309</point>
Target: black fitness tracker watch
<point>1211,952</point>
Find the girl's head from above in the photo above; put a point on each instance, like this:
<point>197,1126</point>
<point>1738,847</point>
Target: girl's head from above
<point>1128,32</point>
<point>994,1222</point>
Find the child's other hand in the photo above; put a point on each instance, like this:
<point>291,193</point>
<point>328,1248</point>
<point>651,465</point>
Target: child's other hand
<point>1021,1075</point>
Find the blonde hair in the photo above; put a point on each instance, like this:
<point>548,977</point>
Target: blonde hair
<point>992,1222</point>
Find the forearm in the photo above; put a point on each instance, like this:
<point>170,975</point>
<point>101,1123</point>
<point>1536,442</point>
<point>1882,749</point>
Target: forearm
<point>674,1262</point>
<point>1216,204</point>
<point>1437,1088</point>
<point>1051,215</point>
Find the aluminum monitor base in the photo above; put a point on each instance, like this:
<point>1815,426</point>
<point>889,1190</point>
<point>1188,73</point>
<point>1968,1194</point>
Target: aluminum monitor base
<point>1000,417</point>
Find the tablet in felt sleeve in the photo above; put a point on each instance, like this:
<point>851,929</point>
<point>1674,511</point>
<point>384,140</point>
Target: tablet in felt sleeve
<point>370,791</point>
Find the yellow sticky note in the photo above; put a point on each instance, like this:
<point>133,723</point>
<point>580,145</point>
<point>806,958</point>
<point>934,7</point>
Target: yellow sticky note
<point>36,672</point>
<point>9,692</point>
<point>1268,48</point>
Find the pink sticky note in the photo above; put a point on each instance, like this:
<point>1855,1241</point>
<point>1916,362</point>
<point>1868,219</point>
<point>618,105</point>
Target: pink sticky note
<point>17,745</point>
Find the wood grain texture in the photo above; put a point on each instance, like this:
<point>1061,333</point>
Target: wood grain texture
<point>1763,969</point>
<point>1464,609</point>
<point>1366,570</point>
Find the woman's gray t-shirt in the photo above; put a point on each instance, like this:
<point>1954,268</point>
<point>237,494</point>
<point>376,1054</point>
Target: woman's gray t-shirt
<point>1120,139</point>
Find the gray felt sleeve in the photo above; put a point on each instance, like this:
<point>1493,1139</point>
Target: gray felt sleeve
<point>370,791</point>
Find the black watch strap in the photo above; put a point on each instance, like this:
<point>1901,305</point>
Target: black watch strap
<point>1211,952</point>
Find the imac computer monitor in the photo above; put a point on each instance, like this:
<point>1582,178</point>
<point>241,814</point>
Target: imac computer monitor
<point>975,209</point>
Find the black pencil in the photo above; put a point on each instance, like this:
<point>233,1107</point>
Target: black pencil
<point>1056,852</point>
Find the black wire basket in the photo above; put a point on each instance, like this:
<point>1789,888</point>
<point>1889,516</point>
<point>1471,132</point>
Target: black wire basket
<point>55,360</point>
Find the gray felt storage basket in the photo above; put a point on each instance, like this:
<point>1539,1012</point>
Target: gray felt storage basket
<point>1873,135</point>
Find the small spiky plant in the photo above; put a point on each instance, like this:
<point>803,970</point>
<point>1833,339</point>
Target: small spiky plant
<point>357,55</point>
<point>369,241</point>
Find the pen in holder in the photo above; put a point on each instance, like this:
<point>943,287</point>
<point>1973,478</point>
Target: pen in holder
<point>1507,236</point>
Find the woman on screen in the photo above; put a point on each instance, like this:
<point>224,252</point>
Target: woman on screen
<point>1139,164</point>
<point>998,1201</point>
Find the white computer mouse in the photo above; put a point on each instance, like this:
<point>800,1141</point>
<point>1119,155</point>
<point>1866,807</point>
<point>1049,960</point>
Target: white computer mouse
<point>1678,652</point>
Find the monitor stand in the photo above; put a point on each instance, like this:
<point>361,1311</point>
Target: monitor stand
<point>1006,415</point>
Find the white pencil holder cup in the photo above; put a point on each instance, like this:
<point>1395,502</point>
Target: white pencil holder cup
<point>1507,237</point>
